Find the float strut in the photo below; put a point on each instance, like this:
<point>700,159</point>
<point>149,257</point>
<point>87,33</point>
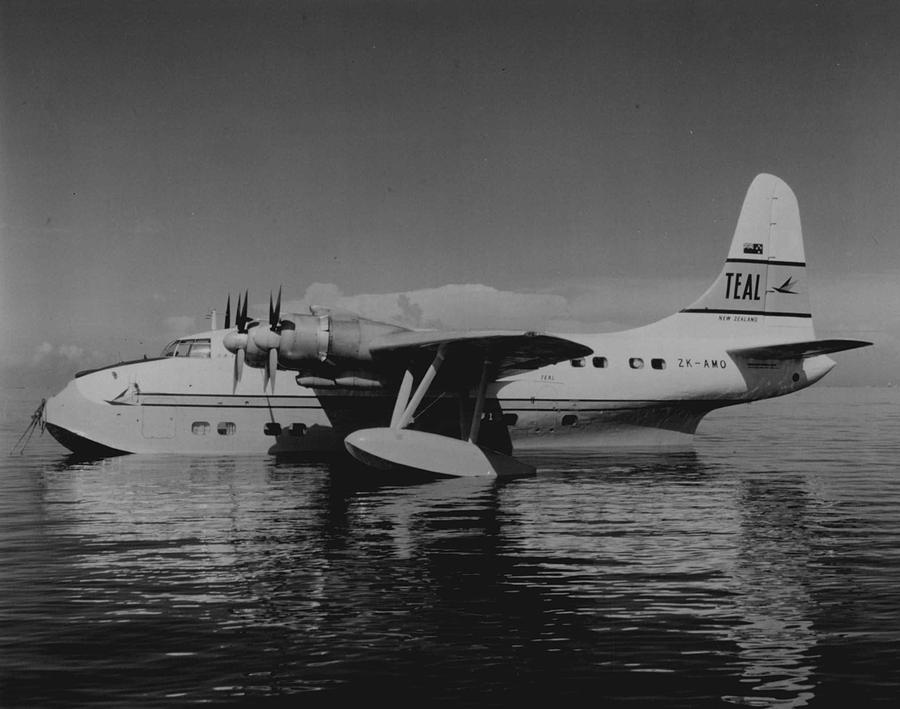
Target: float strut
<point>421,390</point>
<point>479,403</point>
<point>402,398</point>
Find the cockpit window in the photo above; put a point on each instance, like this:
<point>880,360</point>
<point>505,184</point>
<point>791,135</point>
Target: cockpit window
<point>200,348</point>
<point>187,348</point>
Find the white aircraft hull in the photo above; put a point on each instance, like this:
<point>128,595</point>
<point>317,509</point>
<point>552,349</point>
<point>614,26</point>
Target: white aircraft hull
<point>185,406</point>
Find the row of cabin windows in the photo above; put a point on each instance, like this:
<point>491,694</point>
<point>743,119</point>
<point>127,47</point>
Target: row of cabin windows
<point>566,420</point>
<point>633,362</point>
<point>223,428</point>
<point>187,348</point>
<point>228,428</point>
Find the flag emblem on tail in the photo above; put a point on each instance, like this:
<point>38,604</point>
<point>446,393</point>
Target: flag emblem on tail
<point>753,248</point>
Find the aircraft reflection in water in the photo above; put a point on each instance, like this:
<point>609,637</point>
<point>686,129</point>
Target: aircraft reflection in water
<point>459,402</point>
<point>658,561</point>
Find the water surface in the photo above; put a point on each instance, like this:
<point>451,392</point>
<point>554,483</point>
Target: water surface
<point>759,569</point>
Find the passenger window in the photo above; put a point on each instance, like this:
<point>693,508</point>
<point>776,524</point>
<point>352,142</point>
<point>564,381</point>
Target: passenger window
<point>226,428</point>
<point>636,363</point>
<point>200,428</point>
<point>510,419</point>
<point>599,362</point>
<point>578,362</point>
<point>569,420</point>
<point>658,363</point>
<point>200,348</point>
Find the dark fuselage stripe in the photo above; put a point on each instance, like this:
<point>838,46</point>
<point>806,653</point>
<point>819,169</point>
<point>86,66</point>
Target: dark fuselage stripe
<point>768,314</point>
<point>510,404</point>
<point>230,406</point>
<point>796,264</point>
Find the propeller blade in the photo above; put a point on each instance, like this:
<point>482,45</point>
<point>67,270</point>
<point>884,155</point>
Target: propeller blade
<point>272,321</point>
<point>272,368</point>
<point>244,318</point>
<point>228,313</point>
<point>278,308</point>
<point>238,368</point>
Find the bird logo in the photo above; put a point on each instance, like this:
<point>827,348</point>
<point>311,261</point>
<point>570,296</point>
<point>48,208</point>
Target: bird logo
<point>787,287</point>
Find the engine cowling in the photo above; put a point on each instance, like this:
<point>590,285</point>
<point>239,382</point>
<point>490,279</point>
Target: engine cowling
<point>310,339</point>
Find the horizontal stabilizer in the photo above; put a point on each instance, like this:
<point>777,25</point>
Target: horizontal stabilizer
<point>797,350</point>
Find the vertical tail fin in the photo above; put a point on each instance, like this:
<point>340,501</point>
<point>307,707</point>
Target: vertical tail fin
<point>764,277</point>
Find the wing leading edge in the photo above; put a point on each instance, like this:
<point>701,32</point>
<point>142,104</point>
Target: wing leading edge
<point>508,351</point>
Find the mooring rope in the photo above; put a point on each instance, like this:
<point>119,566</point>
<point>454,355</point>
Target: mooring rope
<point>37,422</point>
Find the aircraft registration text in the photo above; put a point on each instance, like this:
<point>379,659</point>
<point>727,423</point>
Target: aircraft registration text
<point>689,363</point>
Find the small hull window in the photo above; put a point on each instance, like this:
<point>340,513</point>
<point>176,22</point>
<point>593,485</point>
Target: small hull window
<point>636,363</point>
<point>226,428</point>
<point>599,362</point>
<point>569,420</point>
<point>578,362</point>
<point>658,363</point>
<point>200,428</point>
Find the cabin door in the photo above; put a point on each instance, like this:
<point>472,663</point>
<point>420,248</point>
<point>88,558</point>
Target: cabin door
<point>158,422</point>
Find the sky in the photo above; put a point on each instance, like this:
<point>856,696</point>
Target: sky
<point>569,166</point>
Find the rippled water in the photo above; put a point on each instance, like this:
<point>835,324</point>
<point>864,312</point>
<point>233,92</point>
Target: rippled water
<point>762,569</point>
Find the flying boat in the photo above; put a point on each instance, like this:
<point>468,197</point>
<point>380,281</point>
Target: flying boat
<point>465,402</point>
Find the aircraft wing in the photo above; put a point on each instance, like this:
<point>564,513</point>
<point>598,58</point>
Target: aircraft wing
<point>508,351</point>
<point>797,350</point>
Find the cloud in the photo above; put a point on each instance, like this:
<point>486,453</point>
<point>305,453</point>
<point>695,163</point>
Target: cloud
<point>41,352</point>
<point>64,357</point>
<point>451,306</point>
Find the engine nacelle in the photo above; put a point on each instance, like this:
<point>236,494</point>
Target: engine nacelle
<point>335,338</point>
<point>346,380</point>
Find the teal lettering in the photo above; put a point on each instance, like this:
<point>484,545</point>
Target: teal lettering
<point>748,289</point>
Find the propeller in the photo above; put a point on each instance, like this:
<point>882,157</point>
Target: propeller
<point>255,341</point>
<point>237,340</point>
<point>275,328</point>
